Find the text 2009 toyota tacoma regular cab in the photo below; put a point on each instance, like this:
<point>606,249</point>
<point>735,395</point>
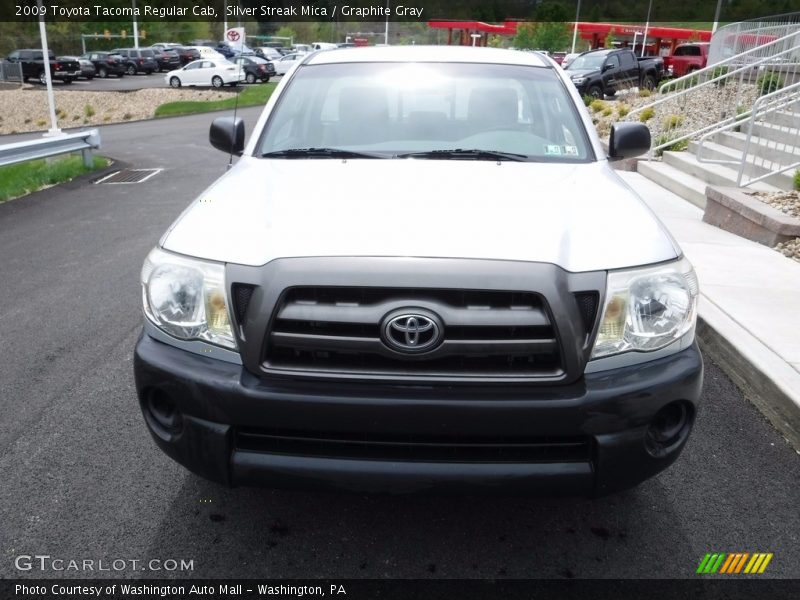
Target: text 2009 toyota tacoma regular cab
<point>421,274</point>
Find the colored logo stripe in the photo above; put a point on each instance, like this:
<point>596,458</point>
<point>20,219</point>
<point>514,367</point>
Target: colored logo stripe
<point>725,563</point>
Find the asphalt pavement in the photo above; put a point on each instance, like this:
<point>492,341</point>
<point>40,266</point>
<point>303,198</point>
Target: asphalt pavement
<point>81,478</point>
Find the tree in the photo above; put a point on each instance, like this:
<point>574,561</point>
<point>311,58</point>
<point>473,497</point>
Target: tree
<point>550,36</point>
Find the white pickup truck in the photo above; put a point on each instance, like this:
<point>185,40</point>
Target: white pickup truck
<point>422,273</point>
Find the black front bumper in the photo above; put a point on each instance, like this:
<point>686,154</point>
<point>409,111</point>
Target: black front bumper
<point>587,438</point>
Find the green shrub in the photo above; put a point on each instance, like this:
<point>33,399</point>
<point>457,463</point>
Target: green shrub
<point>607,111</point>
<point>676,147</point>
<point>647,114</point>
<point>41,123</point>
<point>587,100</point>
<point>645,93</point>
<point>797,180</point>
<point>88,110</point>
<point>719,72</point>
<point>127,116</point>
<point>598,105</point>
<point>768,83</point>
<point>672,121</point>
<point>623,110</point>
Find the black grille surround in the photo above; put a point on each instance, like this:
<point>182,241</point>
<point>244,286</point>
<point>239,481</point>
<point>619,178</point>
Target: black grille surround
<point>503,322</point>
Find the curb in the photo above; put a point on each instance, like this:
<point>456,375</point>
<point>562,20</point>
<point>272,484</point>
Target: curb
<point>764,378</point>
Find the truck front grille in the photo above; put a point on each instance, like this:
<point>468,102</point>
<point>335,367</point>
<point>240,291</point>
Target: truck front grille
<point>340,332</point>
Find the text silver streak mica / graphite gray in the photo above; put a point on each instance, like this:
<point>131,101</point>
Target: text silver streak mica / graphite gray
<point>421,274</point>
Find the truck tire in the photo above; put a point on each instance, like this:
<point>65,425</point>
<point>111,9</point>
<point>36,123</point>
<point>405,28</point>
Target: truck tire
<point>595,91</point>
<point>102,73</point>
<point>648,82</point>
<point>42,78</point>
<point>131,70</point>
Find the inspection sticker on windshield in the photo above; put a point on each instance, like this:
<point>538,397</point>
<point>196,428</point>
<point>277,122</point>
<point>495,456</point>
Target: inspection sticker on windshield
<point>571,150</point>
<point>552,150</point>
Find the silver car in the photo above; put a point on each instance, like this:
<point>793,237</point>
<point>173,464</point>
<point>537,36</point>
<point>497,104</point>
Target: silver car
<point>422,273</point>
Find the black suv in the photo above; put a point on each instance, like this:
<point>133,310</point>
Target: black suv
<point>106,63</point>
<point>138,61</point>
<point>167,59</point>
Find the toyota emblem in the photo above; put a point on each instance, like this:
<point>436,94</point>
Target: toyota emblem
<point>411,332</point>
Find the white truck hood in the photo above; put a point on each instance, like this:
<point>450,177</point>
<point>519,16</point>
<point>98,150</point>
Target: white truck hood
<point>581,217</point>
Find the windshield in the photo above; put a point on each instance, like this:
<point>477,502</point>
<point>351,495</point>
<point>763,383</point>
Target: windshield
<point>420,109</point>
<point>587,62</point>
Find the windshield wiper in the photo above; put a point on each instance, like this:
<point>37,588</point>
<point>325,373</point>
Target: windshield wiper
<point>321,153</point>
<point>461,154</point>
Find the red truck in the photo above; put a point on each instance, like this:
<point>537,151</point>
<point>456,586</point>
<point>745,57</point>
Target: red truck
<point>687,58</point>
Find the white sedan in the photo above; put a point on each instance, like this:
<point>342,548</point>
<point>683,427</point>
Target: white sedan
<point>283,64</point>
<point>215,73</point>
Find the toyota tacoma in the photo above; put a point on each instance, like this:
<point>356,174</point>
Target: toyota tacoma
<point>421,274</point>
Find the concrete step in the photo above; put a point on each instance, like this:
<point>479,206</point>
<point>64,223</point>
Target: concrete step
<point>785,118</point>
<point>687,187</point>
<point>784,153</point>
<point>755,166</point>
<point>710,173</point>
<point>776,133</point>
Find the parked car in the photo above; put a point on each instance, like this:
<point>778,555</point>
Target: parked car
<point>32,61</point>
<point>215,73</point>
<point>106,63</point>
<point>166,58</point>
<point>225,50</point>
<point>532,329</point>
<point>138,61</point>
<point>255,68</point>
<point>284,63</point>
<point>302,48</point>
<point>687,58</point>
<point>268,53</point>
<point>187,54</point>
<point>565,62</point>
<point>604,72</point>
<point>207,52</point>
<point>88,70</point>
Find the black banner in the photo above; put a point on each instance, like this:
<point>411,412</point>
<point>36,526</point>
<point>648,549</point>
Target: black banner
<point>735,588</point>
<point>493,11</point>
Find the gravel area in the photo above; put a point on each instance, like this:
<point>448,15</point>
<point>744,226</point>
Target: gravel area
<point>26,109</point>
<point>790,249</point>
<point>677,115</point>
<point>786,202</point>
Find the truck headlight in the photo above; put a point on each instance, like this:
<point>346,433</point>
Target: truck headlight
<point>578,80</point>
<point>186,298</point>
<point>647,309</point>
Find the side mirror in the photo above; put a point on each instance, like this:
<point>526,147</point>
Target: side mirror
<point>227,134</point>
<point>628,140</point>
<point>607,67</point>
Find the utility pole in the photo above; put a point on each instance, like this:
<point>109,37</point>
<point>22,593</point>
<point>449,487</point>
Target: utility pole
<point>51,103</point>
<point>135,27</point>
<point>646,26</point>
<point>575,28</point>
<point>386,31</point>
<point>716,17</point>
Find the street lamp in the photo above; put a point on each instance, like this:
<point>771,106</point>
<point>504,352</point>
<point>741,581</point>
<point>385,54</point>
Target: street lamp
<point>575,27</point>
<point>475,37</point>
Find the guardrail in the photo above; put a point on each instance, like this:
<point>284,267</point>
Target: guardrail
<point>83,142</point>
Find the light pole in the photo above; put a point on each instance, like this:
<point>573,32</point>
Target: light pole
<point>575,28</point>
<point>646,26</point>
<point>716,17</point>
<point>51,103</point>
<point>135,27</point>
<point>386,31</point>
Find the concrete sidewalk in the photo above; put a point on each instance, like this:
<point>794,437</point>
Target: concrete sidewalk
<point>749,306</point>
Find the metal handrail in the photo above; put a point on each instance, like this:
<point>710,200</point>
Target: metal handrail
<point>717,66</point>
<point>83,142</point>
<point>764,105</point>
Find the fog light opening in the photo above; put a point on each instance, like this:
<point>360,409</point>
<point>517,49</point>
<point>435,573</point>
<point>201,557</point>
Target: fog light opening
<point>164,411</point>
<point>669,428</point>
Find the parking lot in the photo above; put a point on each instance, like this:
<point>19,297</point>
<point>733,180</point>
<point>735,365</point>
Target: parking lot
<point>127,83</point>
<point>83,479</point>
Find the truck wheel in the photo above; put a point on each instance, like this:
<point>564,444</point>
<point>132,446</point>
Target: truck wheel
<point>102,73</point>
<point>648,82</point>
<point>596,92</point>
<point>68,80</point>
<point>216,81</point>
<point>131,70</point>
<point>42,78</point>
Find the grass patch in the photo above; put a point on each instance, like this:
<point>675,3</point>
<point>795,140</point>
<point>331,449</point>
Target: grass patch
<point>647,114</point>
<point>796,180</point>
<point>254,95</point>
<point>25,178</point>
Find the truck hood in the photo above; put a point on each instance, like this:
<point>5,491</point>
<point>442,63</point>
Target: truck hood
<point>581,72</point>
<point>581,217</point>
